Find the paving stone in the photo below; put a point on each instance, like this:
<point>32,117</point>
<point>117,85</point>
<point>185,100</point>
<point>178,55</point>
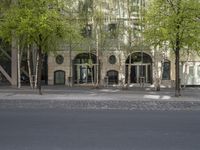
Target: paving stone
<point>90,98</point>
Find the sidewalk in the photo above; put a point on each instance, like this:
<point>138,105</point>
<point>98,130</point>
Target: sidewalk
<point>102,98</point>
<point>102,93</point>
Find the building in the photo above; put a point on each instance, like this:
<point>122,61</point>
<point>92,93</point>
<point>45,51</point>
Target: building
<point>115,57</point>
<point>113,52</point>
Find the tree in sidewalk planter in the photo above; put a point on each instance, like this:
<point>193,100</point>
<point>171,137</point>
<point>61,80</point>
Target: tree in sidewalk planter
<point>92,17</point>
<point>42,23</point>
<point>97,18</point>
<point>85,12</point>
<point>132,31</point>
<point>175,22</point>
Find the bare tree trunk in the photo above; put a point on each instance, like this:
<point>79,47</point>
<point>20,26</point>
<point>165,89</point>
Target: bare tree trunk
<point>39,69</point>
<point>177,78</point>
<point>29,67</point>
<point>156,69</point>
<point>36,71</point>
<point>130,43</point>
<point>90,65</point>
<point>97,58</point>
<point>39,65</point>
<point>92,76</point>
<point>70,80</point>
<point>121,79</point>
<point>70,64</point>
<point>157,80</point>
<point>122,82</point>
<point>177,55</point>
<point>18,66</point>
<point>129,73</point>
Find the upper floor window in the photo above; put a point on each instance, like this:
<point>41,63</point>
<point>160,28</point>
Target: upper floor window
<point>112,30</point>
<point>87,31</point>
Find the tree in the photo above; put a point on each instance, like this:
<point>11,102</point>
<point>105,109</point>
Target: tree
<point>175,22</point>
<point>42,23</point>
<point>92,17</point>
<point>86,11</point>
<point>131,30</point>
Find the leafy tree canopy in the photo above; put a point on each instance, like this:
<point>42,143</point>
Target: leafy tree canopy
<point>40,22</point>
<point>172,21</point>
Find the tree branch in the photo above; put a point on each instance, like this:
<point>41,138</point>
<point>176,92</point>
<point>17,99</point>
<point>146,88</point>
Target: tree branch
<point>173,6</point>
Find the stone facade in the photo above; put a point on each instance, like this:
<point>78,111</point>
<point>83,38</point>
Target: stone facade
<point>189,69</point>
<point>148,65</point>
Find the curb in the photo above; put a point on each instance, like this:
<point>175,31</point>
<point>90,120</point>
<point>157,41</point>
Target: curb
<point>101,105</point>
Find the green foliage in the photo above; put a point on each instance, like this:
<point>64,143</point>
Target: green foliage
<point>91,13</point>
<point>85,9</point>
<point>44,23</point>
<point>172,20</point>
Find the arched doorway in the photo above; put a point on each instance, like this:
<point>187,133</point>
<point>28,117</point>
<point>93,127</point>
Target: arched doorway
<point>85,68</point>
<point>112,77</point>
<point>140,67</point>
<point>59,77</point>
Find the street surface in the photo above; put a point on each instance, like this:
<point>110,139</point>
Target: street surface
<point>63,129</point>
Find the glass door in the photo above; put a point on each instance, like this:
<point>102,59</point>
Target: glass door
<point>85,74</point>
<point>140,72</point>
<point>134,75</point>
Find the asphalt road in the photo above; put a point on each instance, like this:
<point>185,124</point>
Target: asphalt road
<point>53,129</point>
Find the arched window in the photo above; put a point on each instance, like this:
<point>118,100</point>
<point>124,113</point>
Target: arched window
<point>112,77</point>
<point>59,77</point>
<point>139,57</point>
<point>85,58</point>
<point>139,67</point>
<point>166,70</point>
<point>85,68</point>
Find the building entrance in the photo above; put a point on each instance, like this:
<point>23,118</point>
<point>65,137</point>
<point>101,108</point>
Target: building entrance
<point>85,68</point>
<point>140,68</point>
<point>140,72</point>
<point>112,77</point>
<point>85,73</point>
<point>59,77</point>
